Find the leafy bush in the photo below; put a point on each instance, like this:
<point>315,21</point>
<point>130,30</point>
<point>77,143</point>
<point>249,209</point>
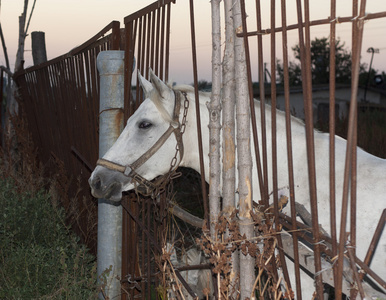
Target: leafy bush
<point>39,256</point>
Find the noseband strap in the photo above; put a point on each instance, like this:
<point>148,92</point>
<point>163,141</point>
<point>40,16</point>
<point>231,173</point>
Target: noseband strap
<point>143,185</point>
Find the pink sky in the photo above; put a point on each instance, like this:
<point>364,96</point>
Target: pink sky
<point>68,23</point>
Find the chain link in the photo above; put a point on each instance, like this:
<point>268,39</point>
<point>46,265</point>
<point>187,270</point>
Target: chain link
<point>172,174</point>
<point>182,131</point>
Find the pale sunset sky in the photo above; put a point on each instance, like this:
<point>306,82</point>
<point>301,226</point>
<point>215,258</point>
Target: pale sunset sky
<point>69,23</point>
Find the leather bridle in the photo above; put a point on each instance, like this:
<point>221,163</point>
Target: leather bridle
<point>142,185</point>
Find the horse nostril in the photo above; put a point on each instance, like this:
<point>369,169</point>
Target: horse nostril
<point>96,183</point>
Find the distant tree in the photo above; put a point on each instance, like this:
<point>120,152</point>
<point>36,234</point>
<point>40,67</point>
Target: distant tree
<point>320,63</point>
<point>294,73</point>
<point>203,84</point>
<point>370,77</point>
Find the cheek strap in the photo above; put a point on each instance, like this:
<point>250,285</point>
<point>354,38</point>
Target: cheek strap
<point>130,170</point>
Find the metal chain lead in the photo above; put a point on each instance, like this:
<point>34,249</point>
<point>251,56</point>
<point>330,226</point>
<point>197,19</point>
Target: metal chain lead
<point>172,174</point>
<point>182,131</point>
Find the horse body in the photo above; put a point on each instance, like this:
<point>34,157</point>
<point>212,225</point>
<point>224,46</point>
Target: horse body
<point>149,122</point>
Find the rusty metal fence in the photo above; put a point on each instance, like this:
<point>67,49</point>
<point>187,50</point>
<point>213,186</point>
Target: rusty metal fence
<point>139,278</point>
<point>61,103</point>
<point>60,100</point>
<point>357,18</point>
<point>144,219</point>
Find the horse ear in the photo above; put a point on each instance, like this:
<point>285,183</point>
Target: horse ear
<point>146,85</point>
<point>163,90</point>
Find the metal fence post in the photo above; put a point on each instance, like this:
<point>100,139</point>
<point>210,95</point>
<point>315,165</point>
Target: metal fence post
<point>110,66</point>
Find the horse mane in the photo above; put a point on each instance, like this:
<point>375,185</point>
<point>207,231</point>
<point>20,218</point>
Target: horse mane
<point>189,89</point>
<point>154,96</point>
<point>281,114</point>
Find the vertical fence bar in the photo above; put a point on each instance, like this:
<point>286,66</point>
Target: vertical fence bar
<point>149,251</point>
<point>148,43</point>
<point>129,230</point>
<point>359,22</point>
<point>261,173</point>
<point>142,244</point>
<point>290,153</point>
<point>274,143</point>
<point>353,182</point>
<point>152,39</point>
<point>142,57</point>
<point>305,55</point>
<point>130,42</point>
<point>198,118</point>
<point>332,133</point>
<point>274,136</point>
<point>116,36</point>
<point>354,44</point>
<point>167,42</point>
<point>162,43</point>
<point>110,67</point>
<point>157,43</point>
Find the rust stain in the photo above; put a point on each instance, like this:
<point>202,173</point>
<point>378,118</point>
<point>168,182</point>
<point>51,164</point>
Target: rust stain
<point>118,122</point>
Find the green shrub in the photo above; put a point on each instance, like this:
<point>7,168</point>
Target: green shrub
<point>39,256</point>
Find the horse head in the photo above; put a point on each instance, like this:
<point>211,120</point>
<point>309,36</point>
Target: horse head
<point>146,147</point>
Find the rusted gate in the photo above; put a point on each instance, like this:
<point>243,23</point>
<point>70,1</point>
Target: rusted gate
<point>144,218</point>
<point>141,235</point>
<point>357,18</point>
<point>60,100</point>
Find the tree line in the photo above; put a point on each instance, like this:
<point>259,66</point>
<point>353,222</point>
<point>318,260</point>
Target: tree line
<point>320,65</point>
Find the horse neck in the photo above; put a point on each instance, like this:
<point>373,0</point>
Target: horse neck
<point>191,156</point>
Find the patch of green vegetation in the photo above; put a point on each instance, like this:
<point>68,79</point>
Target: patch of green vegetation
<point>40,258</point>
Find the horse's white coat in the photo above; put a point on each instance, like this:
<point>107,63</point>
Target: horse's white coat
<point>371,179</point>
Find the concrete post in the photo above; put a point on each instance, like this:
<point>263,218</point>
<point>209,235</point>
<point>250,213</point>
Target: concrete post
<point>110,66</point>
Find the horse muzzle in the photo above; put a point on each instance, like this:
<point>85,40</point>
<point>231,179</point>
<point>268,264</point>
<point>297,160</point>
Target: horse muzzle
<point>107,184</point>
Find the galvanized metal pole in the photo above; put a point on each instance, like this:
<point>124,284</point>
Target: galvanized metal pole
<point>110,66</point>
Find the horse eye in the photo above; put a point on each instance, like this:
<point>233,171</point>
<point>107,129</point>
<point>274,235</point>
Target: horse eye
<point>145,125</point>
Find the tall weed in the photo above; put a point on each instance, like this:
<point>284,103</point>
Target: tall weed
<point>40,258</point>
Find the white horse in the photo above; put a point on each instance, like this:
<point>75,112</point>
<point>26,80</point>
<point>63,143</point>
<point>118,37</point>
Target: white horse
<point>137,157</point>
